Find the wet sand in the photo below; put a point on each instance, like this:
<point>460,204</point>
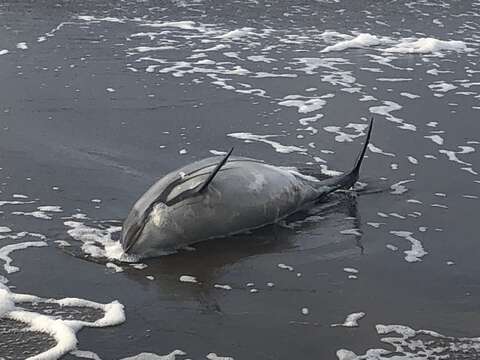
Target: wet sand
<point>78,124</point>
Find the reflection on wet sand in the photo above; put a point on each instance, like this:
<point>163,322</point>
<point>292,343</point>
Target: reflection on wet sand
<point>312,231</point>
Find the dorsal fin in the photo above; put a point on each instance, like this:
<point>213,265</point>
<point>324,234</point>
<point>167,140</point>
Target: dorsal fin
<point>192,191</point>
<point>214,172</point>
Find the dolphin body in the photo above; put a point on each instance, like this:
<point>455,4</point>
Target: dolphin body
<point>221,196</point>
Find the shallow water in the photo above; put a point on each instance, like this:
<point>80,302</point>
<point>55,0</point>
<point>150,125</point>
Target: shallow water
<point>100,98</point>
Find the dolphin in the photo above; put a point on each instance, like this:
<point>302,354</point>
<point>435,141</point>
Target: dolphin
<point>219,197</point>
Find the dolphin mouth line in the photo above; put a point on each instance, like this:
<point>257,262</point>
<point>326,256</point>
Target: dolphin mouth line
<point>132,239</point>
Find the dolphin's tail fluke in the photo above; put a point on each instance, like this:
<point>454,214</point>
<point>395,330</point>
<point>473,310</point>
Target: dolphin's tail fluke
<point>346,181</point>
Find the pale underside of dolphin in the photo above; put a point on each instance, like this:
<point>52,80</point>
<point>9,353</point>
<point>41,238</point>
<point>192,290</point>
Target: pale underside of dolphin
<point>221,196</point>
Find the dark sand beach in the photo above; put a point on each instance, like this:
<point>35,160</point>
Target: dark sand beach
<point>98,99</point>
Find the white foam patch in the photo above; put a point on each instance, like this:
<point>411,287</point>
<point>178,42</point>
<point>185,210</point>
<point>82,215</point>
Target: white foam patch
<point>6,250</point>
<point>452,155</point>
<point>260,58</point>
<point>151,356</point>
<point>78,216</point>
<point>469,84</point>
<point>6,302</point>
<point>386,109</point>
<point>393,79</point>
<point>351,320</point>
<point>304,106</point>
<point>213,48</point>
<point>222,286</point>
<point>22,46</point>
<point>98,19</point>
<point>114,267</point>
<point>326,171</point>
<point>63,331</point>
<point>188,278</point>
<point>398,188</point>
<point>377,150</point>
<point>143,49</point>
<point>441,86</point>
<point>409,95</point>
<point>14,202</point>
<point>217,152</point>
<point>4,52</point>
<point>427,45</point>
<point>284,149</point>
<point>19,196</point>
<point>85,354</point>
<point>5,229</point>
<point>97,242</point>
<point>437,139</point>
<point>368,98</point>
<point>139,266</point>
<point>439,206</point>
<point>311,64</point>
<point>348,137</point>
<point>414,201</point>
<point>50,208</point>
<point>23,234</point>
<point>406,343</point>
<point>359,41</point>
<point>391,247</point>
<point>339,78</point>
<point>238,33</point>
<point>355,231</point>
<point>374,70</point>
<point>412,160</point>
<point>285,267</point>
<point>152,35</point>
<point>62,243</point>
<point>417,251</point>
<point>35,214</point>
<point>213,356</point>
<point>386,61</point>
<point>41,212</point>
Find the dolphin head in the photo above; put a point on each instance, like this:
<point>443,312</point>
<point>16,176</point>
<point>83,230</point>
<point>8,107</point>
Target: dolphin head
<point>156,223</point>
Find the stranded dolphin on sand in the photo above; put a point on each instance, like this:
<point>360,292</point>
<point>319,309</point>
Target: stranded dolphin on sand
<point>221,196</point>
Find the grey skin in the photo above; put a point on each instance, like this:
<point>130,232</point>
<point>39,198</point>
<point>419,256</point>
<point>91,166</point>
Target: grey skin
<point>195,203</point>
